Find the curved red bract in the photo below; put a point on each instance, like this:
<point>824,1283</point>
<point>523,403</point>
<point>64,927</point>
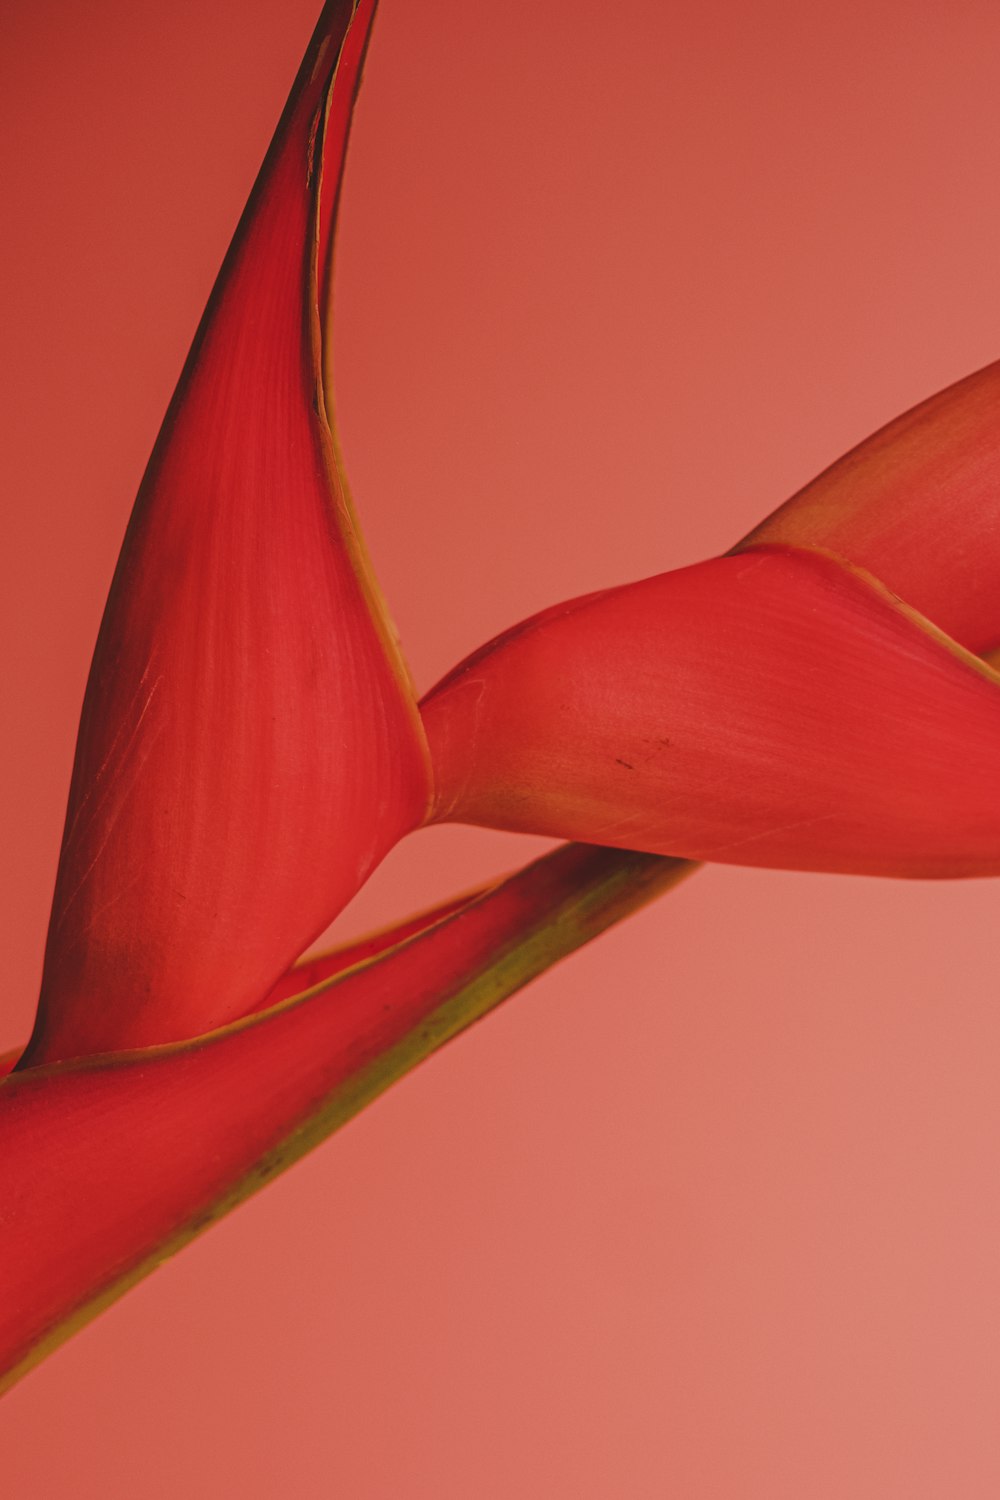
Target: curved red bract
<point>778,706</point>
<point>249,748</point>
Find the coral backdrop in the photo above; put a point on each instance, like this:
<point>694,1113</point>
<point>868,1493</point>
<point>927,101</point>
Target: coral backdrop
<point>713,1209</point>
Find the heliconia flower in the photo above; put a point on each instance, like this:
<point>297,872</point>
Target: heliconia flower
<point>811,701</point>
<point>251,747</point>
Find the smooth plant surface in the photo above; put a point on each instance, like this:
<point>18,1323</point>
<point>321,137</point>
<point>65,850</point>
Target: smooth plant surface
<point>921,678</point>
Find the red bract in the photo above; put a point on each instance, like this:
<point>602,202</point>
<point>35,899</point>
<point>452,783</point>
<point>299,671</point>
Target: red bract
<point>111,1163</point>
<point>918,505</point>
<point>778,706</point>
<point>250,748</point>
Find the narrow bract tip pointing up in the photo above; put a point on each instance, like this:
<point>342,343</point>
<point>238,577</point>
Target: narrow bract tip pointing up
<point>249,747</point>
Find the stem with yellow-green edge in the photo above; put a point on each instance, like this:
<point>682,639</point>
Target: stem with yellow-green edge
<point>571,895</point>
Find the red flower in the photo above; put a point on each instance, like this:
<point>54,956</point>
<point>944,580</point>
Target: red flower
<point>250,748</point>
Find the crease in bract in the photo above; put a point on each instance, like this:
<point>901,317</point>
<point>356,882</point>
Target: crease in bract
<point>918,505</point>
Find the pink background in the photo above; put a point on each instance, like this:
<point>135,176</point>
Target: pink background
<point>713,1209</point>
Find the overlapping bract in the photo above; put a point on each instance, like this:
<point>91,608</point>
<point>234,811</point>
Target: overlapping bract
<point>790,704</point>
<point>918,505</point>
<point>251,747</point>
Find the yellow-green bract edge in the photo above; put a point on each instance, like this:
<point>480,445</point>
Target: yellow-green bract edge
<point>620,883</point>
